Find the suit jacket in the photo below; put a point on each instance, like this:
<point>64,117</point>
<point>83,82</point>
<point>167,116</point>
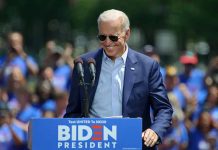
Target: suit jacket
<point>143,89</point>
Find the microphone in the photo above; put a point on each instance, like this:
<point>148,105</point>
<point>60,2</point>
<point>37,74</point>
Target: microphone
<point>92,69</point>
<point>78,61</point>
<point>85,102</point>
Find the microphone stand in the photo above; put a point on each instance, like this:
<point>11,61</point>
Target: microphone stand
<point>85,100</point>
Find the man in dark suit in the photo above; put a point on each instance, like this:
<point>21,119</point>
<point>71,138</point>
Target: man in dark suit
<point>128,84</point>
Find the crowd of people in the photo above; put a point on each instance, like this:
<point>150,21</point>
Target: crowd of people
<point>193,94</point>
<point>31,88</point>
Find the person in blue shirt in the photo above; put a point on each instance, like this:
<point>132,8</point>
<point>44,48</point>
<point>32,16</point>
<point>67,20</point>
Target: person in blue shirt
<point>176,137</point>
<point>204,135</point>
<point>12,136</point>
<point>59,59</point>
<point>127,83</point>
<point>16,57</point>
<point>26,110</point>
<point>193,78</point>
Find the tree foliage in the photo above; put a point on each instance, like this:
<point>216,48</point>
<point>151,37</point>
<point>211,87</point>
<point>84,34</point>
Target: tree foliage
<point>189,19</point>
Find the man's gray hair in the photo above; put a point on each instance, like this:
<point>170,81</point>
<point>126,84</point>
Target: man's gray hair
<point>114,14</point>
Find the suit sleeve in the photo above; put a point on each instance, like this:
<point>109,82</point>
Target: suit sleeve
<point>73,109</point>
<point>160,104</point>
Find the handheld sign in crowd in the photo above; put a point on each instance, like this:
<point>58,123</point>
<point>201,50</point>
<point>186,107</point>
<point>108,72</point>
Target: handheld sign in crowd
<point>86,133</point>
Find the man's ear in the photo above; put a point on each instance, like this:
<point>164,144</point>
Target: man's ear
<point>127,35</point>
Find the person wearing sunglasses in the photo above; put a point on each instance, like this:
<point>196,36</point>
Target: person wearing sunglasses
<point>127,83</point>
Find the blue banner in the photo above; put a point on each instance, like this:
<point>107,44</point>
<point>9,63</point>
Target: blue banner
<point>86,133</point>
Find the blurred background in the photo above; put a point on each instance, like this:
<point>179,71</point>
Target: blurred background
<point>171,26</point>
<point>39,40</point>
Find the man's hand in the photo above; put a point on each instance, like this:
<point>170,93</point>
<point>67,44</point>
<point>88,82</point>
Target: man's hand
<point>150,137</point>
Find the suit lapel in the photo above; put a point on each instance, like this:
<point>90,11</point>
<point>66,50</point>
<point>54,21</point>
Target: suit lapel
<point>129,77</point>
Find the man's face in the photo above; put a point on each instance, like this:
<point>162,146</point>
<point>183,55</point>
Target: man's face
<point>16,42</point>
<point>113,49</point>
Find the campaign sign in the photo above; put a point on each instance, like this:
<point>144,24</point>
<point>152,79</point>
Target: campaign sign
<point>86,133</point>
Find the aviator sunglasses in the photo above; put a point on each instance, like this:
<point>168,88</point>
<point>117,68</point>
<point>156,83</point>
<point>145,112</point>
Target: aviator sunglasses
<point>113,38</point>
